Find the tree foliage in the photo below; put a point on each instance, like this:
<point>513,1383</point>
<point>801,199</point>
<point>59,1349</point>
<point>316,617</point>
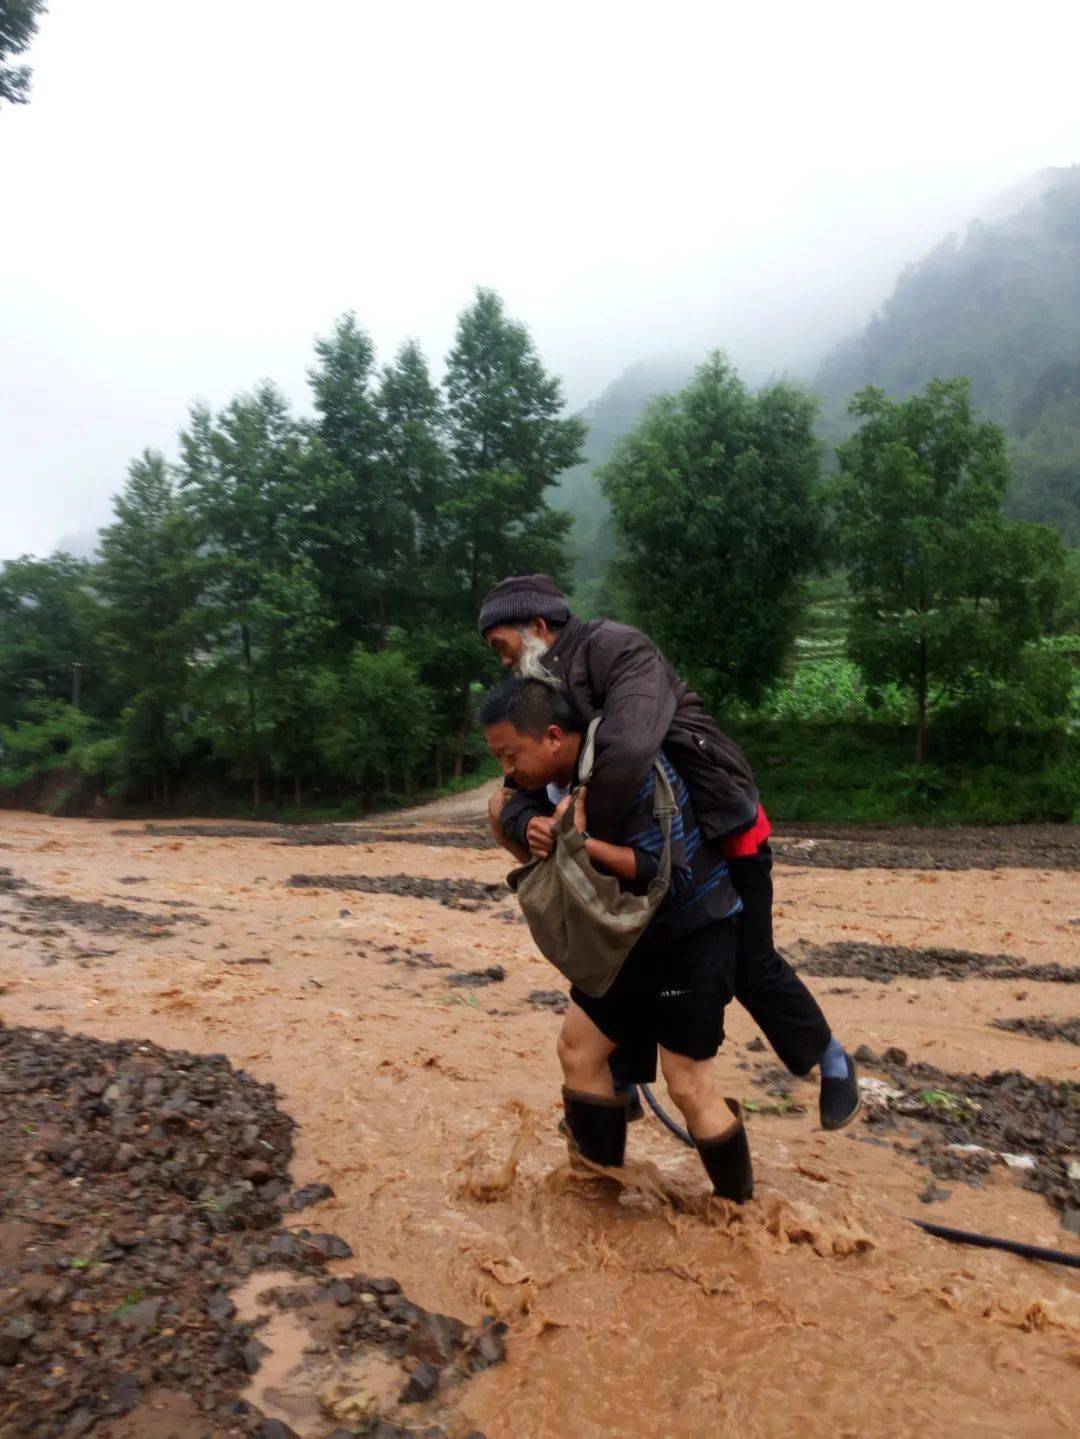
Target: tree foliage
<point>18,26</point>
<point>291,605</point>
<point>947,593</point>
<point>713,501</point>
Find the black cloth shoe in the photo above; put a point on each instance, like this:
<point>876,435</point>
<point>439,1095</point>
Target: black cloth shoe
<point>597,1126</point>
<point>727,1160</point>
<point>840,1100</point>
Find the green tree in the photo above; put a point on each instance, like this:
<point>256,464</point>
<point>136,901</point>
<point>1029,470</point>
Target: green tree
<point>377,720</point>
<point>947,593</point>
<point>509,442</point>
<point>713,502</point>
<point>147,586</point>
<point>360,522</point>
<point>414,458</point>
<point>246,480</point>
<point>47,647</point>
<point>18,26</point>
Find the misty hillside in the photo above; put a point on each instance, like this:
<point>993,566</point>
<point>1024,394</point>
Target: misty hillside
<point>1001,305</point>
<point>610,417</point>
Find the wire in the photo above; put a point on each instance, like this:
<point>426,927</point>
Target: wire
<point>665,1118</point>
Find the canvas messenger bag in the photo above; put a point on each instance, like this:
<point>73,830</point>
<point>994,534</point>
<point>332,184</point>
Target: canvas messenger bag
<point>579,917</point>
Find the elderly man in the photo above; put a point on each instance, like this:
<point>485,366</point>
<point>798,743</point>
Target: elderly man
<point>611,669</point>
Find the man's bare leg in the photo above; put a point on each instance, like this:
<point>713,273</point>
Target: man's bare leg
<point>584,1052</point>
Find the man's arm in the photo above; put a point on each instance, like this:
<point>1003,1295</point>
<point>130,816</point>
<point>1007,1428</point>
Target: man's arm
<point>634,867</point>
<point>631,686</point>
<point>517,811</point>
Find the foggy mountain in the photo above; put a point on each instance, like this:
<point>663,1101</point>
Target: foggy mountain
<point>612,415</point>
<point>999,304</point>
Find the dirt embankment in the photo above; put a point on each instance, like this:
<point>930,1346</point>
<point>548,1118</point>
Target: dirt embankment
<point>159,1281</point>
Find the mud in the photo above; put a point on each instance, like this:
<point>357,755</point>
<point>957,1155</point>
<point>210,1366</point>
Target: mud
<point>139,1185</point>
<point>882,963</point>
<point>1040,1027</point>
<point>329,835</point>
<point>456,893</point>
<point>957,848</point>
<point>634,1304</point>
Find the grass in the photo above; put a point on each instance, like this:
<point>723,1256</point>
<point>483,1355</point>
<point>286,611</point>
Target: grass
<point>852,773</point>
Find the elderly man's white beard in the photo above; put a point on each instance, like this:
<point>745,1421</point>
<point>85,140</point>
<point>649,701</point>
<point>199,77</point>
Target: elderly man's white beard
<point>531,664</point>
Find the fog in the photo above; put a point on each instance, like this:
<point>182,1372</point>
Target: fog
<point>196,190</point>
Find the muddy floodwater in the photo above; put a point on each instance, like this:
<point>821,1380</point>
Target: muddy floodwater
<point>379,976</point>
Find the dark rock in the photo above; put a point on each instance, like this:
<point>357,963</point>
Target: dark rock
<point>756,1045</point>
<point>554,999</point>
<point>124,1394</point>
<point>275,1429</point>
<point>1070,1220</point>
<point>383,1286</point>
<point>477,978</point>
<point>318,1248</point>
<point>220,1307</point>
<point>865,1055</point>
<point>435,1339</point>
<point>308,1195</point>
<point>933,1195</point>
<point>893,1055</point>
<point>422,1384</point>
<point>142,1316</point>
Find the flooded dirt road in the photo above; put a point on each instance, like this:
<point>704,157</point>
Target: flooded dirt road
<point>394,1017</point>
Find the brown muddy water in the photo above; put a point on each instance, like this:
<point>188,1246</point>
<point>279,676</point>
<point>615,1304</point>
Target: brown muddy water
<point>638,1308</point>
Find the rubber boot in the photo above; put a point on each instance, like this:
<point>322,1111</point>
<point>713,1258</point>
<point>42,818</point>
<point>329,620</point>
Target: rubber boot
<point>727,1160</point>
<point>597,1126</point>
<point>634,1108</point>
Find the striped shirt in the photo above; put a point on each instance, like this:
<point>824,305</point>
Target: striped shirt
<point>701,891</point>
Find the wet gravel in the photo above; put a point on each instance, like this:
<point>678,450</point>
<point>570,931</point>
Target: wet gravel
<point>138,1185</point>
<point>54,911</point>
<point>906,847</point>
<point>1041,1027</point>
<point>882,963</point>
<point>1003,1113</point>
<point>456,893</point>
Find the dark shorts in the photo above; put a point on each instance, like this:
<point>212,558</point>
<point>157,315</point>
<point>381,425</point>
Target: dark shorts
<point>674,998</point>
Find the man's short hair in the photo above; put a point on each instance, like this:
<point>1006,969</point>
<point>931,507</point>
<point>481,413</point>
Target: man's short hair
<point>529,705</point>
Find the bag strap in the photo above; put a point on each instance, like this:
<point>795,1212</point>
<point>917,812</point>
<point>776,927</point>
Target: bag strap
<point>588,751</point>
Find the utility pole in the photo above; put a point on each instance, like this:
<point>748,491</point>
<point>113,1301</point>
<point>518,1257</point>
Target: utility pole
<point>76,684</point>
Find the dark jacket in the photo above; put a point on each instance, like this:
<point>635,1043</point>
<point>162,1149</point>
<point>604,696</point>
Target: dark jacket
<point>615,670</point>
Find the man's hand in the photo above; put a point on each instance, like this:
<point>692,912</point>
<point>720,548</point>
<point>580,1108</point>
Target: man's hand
<point>578,801</point>
<point>540,836</point>
<point>496,805</point>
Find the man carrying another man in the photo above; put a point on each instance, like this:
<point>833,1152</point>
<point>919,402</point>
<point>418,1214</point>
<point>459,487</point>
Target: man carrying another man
<point>607,668</point>
<point>673,986</point>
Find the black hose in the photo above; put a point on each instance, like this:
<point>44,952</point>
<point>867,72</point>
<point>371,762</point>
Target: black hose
<point>665,1118</point>
<point>1011,1246</point>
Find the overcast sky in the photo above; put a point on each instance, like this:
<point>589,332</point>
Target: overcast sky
<point>196,189</point>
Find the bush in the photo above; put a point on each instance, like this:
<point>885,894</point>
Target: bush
<point>52,736</point>
<point>861,773</point>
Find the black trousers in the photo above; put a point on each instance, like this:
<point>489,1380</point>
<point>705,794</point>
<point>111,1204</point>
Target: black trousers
<point>765,984</point>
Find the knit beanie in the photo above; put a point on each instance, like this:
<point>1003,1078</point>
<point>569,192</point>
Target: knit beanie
<point>523,597</point>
